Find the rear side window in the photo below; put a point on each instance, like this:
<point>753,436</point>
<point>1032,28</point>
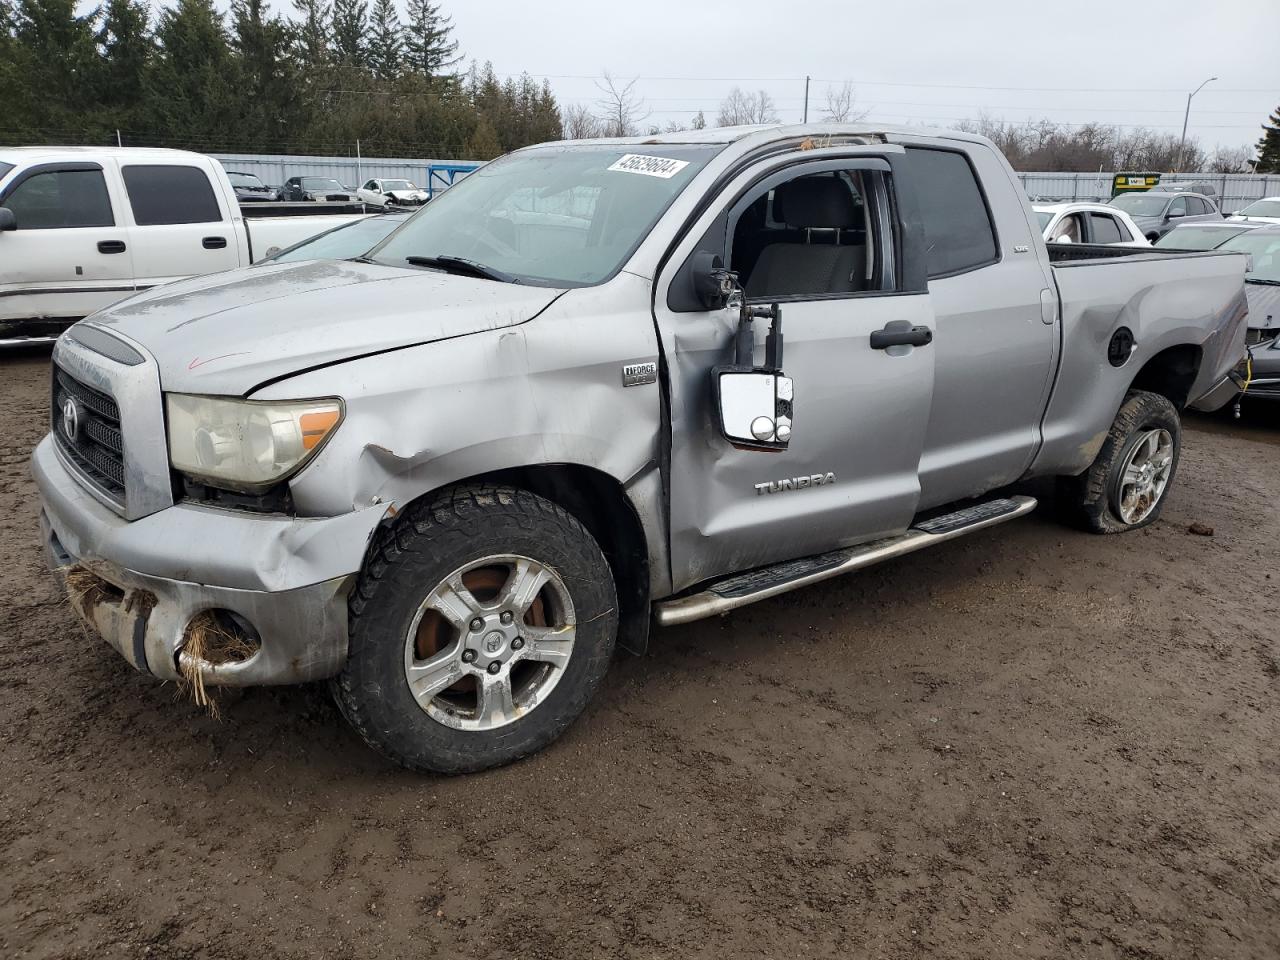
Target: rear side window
<point>1105,229</point>
<point>959,235</point>
<point>61,199</point>
<point>162,195</point>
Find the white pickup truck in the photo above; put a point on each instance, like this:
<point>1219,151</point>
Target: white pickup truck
<point>83,227</point>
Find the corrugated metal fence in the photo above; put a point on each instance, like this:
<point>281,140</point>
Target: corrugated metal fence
<point>275,170</point>
<point>1235,190</point>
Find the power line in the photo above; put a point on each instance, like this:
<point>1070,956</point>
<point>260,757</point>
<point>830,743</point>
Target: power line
<point>891,83</point>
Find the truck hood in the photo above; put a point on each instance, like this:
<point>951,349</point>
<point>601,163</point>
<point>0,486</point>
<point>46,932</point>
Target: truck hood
<point>231,332</point>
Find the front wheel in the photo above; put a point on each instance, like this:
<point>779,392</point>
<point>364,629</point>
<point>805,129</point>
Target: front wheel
<point>482,623</point>
<point>1126,486</point>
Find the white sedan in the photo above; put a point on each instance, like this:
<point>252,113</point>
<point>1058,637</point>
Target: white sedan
<point>392,193</point>
<point>1088,223</point>
<point>1266,210</point>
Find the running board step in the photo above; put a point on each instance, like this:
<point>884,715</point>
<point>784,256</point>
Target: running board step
<point>744,588</point>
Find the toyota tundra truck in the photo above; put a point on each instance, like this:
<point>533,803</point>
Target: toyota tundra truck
<point>602,385</point>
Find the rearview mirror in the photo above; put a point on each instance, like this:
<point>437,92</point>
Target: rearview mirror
<point>755,408</point>
<point>1174,215</point>
<point>7,220</point>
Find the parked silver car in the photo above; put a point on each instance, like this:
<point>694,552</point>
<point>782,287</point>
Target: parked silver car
<point>1158,212</point>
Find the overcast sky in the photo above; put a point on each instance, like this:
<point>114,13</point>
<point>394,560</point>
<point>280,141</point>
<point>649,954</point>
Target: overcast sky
<point>1128,62</point>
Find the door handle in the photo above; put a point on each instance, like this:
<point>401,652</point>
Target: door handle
<point>214,243</point>
<point>111,246</point>
<point>901,337</point>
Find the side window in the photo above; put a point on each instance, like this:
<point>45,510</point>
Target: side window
<point>60,200</point>
<point>958,231</point>
<point>167,195</point>
<point>812,236</point>
<point>1104,228</point>
<point>1179,206</point>
<point>371,185</point>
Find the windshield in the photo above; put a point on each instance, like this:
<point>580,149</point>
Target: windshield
<point>1044,218</point>
<point>4,169</point>
<point>1265,247</point>
<point>397,185</point>
<point>1142,204</point>
<point>1260,208</point>
<point>341,243</point>
<point>556,215</point>
<point>1197,238</point>
<point>244,180</point>
<point>319,183</point>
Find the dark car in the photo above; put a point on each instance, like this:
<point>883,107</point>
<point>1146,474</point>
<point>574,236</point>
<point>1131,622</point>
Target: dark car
<point>1156,212</point>
<point>1203,236</point>
<point>322,189</point>
<point>249,189</point>
<point>342,242</point>
<point>1262,285</point>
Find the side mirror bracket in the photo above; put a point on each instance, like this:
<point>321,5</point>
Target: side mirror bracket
<point>754,404</point>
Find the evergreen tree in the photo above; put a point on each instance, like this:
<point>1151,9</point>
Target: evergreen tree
<point>350,21</point>
<point>126,48</point>
<point>267,82</point>
<point>1269,146</point>
<point>699,122</point>
<point>311,33</point>
<point>429,45</point>
<point>60,60</point>
<point>193,100</point>
<point>483,143</point>
<point>386,45</point>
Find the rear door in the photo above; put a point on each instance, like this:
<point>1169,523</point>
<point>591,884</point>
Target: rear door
<point>997,333</point>
<point>70,254</point>
<point>181,226</point>
<point>840,268</point>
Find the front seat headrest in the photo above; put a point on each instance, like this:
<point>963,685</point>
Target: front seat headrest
<point>815,202</point>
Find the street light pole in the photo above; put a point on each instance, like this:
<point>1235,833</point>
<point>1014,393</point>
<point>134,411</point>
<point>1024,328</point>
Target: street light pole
<point>1185,117</point>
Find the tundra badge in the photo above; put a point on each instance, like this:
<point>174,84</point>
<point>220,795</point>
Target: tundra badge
<point>795,483</point>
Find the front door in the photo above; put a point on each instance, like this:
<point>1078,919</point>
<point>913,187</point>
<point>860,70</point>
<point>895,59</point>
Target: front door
<point>821,239</point>
<point>70,254</point>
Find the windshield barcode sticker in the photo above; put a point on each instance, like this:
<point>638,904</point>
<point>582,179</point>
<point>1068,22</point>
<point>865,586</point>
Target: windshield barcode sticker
<point>663,167</point>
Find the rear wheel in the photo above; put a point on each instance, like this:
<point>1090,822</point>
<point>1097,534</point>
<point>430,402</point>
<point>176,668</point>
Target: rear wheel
<point>481,626</point>
<point>1126,486</point>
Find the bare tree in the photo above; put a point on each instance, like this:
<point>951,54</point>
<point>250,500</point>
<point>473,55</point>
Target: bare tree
<point>1231,160</point>
<point>740,108</point>
<point>580,123</point>
<point>842,104</point>
<point>621,108</point>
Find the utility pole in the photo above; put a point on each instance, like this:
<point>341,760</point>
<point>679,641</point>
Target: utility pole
<point>806,99</point>
<point>1185,117</point>
<point>359,175</point>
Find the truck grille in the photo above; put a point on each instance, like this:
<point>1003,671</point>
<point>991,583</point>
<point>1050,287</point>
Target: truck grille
<point>93,443</point>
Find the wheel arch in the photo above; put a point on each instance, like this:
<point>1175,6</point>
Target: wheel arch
<point>601,504</point>
<point>1171,373</point>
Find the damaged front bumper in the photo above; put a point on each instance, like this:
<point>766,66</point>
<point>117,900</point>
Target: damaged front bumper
<point>286,579</point>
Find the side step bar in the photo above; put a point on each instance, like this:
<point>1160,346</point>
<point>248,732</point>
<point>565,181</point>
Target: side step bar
<point>744,588</point>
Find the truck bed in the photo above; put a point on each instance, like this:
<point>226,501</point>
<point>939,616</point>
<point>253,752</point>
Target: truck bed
<point>1192,302</point>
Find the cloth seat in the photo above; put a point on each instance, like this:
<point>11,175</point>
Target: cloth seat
<point>784,269</point>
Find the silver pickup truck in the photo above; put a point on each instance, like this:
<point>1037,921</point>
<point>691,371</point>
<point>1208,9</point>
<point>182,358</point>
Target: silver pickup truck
<point>597,385</point>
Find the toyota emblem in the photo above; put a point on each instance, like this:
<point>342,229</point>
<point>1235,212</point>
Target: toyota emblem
<point>70,419</point>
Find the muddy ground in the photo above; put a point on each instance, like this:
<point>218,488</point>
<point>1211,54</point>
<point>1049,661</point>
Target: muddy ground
<point>1029,743</point>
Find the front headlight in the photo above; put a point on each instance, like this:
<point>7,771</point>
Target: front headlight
<point>246,445</point>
